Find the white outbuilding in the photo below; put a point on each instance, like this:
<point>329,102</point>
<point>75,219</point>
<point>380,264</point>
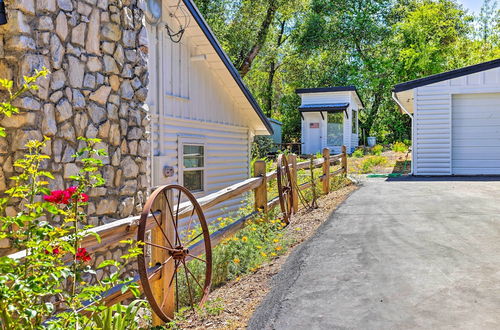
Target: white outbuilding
<point>203,117</point>
<point>455,120</point>
<point>329,118</point>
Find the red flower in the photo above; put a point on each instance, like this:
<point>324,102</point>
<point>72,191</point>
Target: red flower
<point>55,251</point>
<point>65,196</point>
<point>83,255</point>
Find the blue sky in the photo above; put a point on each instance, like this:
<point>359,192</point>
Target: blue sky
<point>473,5</point>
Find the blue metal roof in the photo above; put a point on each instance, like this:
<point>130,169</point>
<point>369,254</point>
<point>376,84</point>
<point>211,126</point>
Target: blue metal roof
<point>331,107</point>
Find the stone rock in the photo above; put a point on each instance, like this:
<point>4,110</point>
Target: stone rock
<point>64,111</point>
<point>123,127</point>
<point>110,65</point>
<point>114,135</point>
<point>129,39</point>
<point>127,71</point>
<point>114,81</point>
<point>45,23</point>
<point>103,4</point>
<point>98,192</point>
<point>69,151</point>
<point>108,174</point>
<point>20,43</point>
<point>94,64</point>
<point>97,114</point>
<point>117,156</point>
<point>126,90</point>
<point>4,146</point>
<point>104,130</point>
<point>57,51</point>
<point>89,81</point>
<point>81,122</point>
<point>84,9</point>
<point>62,26</point>
<point>132,148</point>
<point>76,70</point>
<point>65,5</point>
<point>142,94</point>
<point>27,103</point>
<point>78,34</point>
<point>18,23</point>
<point>21,137</point>
<point>91,132</point>
<point>126,207</point>
<point>115,99</point>
<point>144,148</point>
<point>108,47</point>
<point>129,167</point>
<point>93,35</point>
<point>5,71</point>
<point>112,111</point>
<point>20,120</point>
<point>55,97</point>
<point>46,5</point>
<point>101,95</point>
<point>78,100</point>
<point>57,150</point>
<point>49,125</point>
<point>143,37</point>
<point>134,134</point>
<point>99,79</point>
<point>128,18</point>
<point>70,49</point>
<point>58,80</point>
<point>129,188</point>
<point>119,55</point>
<point>3,184</point>
<point>107,206</point>
<point>136,83</point>
<point>67,132</point>
<point>70,169</point>
<point>111,31</point>
<point>26,6</point>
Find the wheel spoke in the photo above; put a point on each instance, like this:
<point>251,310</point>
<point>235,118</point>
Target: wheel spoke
<point>192,256</point>
<point>177,239</point>
<point>159,246</point>
<point>194,238</point>
<point>161,228</point>
<point>159,268</point>
<point>177,210</point>
<point>190,220</point>
<point>189,287</point>
<point>192,275</point>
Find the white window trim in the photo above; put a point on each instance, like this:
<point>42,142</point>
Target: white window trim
<point>357,121</point>
<point>197,141</point>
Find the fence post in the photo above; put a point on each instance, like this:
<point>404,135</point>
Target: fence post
<point>292,159</point>
<point>259,170</point>
<point>326,171</point>
<point>161,290</point>
<point>344,159</point>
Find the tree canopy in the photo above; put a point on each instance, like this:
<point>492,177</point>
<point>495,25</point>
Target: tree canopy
<point>281,45</point>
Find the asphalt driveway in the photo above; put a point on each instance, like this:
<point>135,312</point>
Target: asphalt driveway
<point>399,254</point>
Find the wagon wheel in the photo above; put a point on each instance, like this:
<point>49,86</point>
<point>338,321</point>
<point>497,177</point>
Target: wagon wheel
<point>176,250</point>
<point>285,188</point>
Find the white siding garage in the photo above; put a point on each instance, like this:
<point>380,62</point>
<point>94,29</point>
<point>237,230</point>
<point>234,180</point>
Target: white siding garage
<point>476,134</point>
<point>455,121</point>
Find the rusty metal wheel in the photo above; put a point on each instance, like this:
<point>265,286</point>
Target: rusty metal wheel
<point>175,267</point>
<point>285,188</point>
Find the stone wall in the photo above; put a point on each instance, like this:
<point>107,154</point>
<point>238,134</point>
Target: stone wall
<point>96,51</point>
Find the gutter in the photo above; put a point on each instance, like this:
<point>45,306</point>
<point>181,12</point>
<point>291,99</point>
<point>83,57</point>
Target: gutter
<point>395,98</point>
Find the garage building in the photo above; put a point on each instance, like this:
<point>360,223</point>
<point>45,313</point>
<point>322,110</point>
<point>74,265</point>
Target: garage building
<point>455,120</point>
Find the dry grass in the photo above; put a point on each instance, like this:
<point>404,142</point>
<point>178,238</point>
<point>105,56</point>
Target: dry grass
<point>395,163</point>
<point>238,299</point>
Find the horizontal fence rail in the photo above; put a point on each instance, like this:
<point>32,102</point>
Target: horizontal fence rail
<point>111,234</point>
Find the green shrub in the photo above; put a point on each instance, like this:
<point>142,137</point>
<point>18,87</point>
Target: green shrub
<point>399,147</point>
<point>377,150</point>
<point>262,146</point>
<point>369,163</point>
<point>359,153</point>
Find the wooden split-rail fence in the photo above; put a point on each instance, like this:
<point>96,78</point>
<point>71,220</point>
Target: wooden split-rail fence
<point>111,234</point>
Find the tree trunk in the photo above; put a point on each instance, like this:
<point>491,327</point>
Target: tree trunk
<point>261,39</point>
<point>269,89</point>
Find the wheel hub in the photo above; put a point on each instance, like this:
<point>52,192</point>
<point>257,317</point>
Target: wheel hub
<point>179,253</point>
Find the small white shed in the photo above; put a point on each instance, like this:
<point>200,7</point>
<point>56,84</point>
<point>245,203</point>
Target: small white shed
<point>455,120</point>
<point>203,117</point>
<point>329,118</point>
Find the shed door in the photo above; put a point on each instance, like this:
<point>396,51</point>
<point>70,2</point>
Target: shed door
<point>476,134</point>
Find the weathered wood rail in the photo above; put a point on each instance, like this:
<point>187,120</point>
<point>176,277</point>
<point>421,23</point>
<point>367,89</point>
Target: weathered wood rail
<point>111,234</point>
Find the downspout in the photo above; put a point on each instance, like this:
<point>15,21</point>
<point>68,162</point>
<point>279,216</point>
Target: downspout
<point>395,98</point>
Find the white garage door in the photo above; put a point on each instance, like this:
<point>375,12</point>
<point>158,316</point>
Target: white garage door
<point>476,134</point>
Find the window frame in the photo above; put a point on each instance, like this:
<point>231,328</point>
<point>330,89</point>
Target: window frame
<point>192,141</point>
<point>355,114</point>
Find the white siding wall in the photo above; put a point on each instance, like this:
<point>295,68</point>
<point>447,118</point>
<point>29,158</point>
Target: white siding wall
<point>433,119</point>
<point>188,100</point>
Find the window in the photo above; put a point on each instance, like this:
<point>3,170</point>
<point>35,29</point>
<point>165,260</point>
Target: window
<point>193,166</point>
<point>335,129</point>
<point>354,122</point>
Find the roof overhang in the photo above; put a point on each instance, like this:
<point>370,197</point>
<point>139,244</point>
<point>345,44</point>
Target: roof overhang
<point>220,61</point>
<point>328,108</point>
<point>351,89</point>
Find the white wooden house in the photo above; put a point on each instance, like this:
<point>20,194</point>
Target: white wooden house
<point>204,118</point>
<point>455,120</point>
<point>329,118</point>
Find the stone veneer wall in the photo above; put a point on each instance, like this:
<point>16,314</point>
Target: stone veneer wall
<point>97,53</point>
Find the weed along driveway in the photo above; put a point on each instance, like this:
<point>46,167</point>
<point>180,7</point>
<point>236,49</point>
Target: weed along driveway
<point>398,254</point>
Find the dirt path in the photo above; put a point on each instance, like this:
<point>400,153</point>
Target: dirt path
<point>235,302</point>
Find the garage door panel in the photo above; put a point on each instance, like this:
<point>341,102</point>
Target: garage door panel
<point>476,134</point>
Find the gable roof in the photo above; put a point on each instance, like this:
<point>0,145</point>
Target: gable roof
<point>446,76</point>
<point>331,89</point>
<point>227,62</point>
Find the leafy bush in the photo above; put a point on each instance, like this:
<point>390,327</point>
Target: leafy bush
<point>377,150</point>
<point>369,163</point>
<point>262,146</point>
<point>359,153</point>
<point>399,147</point>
